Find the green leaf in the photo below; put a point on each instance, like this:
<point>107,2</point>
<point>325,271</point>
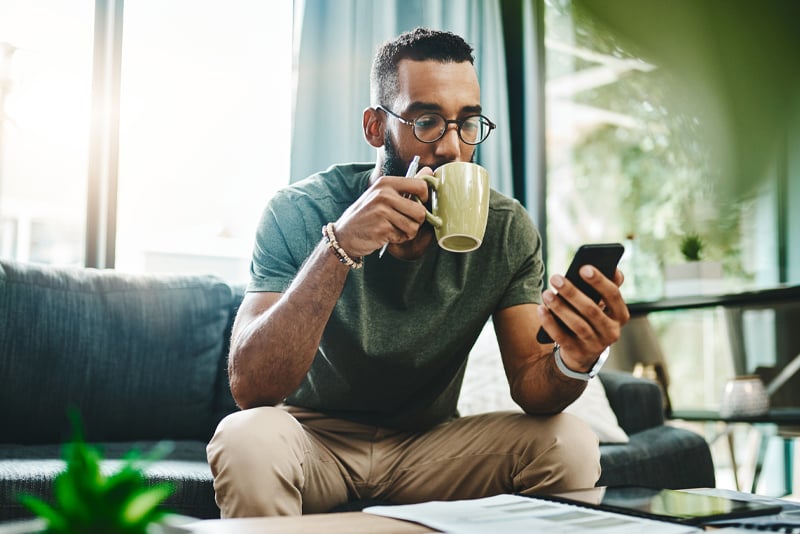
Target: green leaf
<point>71,498</point>
<point>145,503</point>
<point>55,520</point>
<point>122,485</point>
<point>691,245</point>
<point>161,450</point>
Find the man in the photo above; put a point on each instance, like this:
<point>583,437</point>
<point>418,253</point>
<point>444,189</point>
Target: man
<point>348,377</point>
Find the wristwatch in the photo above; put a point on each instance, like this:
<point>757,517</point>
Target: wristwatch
<point>575,374</point>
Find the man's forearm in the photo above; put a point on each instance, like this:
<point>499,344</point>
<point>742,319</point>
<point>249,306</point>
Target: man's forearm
<point>542,388</point>
<point>272,352</point>
<point>537,386</point>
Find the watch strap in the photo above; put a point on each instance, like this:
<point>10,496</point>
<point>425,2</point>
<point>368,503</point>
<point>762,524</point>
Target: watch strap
<point>577,374</point>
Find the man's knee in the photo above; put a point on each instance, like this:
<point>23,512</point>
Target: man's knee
<point>256,435</point>
<point>569,458</point>
<point>579,450</point>
<point>256,458</point>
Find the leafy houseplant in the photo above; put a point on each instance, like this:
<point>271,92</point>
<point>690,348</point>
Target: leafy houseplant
<point>89,502</point>
<point>693,277</point>
<point>691,247</point>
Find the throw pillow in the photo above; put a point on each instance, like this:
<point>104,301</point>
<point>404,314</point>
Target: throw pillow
<point>485,389</point>
<point>592,406</point>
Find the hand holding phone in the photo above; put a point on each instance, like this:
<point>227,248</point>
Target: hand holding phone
<point>604,257</point>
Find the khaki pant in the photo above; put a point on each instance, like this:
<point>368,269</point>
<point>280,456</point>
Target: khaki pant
<point>287,461</point>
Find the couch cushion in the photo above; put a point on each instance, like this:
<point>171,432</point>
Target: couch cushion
<point>637,402</point>
<point>659,457</point>
<point>485,389</point>
<point>593,407</point>
<point>137,354</point>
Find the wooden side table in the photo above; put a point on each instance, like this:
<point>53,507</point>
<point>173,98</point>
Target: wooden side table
<point>343,523</point>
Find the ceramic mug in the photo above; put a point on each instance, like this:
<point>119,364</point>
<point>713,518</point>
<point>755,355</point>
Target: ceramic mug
<point>459,205</point>
<point>744,396</point>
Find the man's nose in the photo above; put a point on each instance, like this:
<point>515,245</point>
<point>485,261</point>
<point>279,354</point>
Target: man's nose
<point>449,146</point>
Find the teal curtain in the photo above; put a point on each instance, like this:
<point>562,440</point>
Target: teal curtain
<point>532,87</point>
<point>334,44</point>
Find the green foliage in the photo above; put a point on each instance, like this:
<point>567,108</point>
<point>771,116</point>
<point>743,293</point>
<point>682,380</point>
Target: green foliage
<point>691,246</point>
<point>89,502</point>
<point>648,171</point>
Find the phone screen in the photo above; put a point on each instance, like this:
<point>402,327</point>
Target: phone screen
<point>604,256</point>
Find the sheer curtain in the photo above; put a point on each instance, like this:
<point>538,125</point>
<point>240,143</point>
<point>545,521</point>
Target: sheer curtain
<point>334,45</point>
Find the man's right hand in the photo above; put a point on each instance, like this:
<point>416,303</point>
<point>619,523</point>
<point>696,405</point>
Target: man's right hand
<point>387,212</point>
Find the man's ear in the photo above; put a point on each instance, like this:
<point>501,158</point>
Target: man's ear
<point>374,122</point>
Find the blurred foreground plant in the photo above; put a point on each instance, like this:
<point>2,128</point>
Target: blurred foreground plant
<point>89,502</point>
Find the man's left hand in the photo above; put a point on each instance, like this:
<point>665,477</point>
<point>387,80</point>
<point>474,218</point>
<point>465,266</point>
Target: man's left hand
<point>590,327</point>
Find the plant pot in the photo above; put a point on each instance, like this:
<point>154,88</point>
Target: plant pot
<point>744,396</point>
<point>693,278</point>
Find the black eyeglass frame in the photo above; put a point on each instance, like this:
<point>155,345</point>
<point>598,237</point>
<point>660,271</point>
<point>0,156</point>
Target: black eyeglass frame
<point>447,122</point>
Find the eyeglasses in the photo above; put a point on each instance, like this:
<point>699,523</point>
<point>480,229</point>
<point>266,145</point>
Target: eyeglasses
<point>430,127</point>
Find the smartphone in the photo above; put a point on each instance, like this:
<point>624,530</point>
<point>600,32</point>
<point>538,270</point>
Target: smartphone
<point>604,256</point>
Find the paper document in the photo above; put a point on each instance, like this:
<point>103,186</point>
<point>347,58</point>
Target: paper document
<point>504,514</point>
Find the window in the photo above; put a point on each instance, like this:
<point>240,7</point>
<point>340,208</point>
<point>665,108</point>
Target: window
<point>204,130</point>
<point>45,95</point>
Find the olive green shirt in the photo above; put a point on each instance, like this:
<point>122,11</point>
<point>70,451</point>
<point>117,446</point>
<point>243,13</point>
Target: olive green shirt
<point>394,350</point>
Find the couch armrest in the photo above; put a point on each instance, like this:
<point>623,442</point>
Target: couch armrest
<point>636,401</point>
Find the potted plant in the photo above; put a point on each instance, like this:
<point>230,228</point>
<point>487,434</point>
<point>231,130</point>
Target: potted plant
<point>694,276</point>
<point>87,501</point>
<point>691,246</point>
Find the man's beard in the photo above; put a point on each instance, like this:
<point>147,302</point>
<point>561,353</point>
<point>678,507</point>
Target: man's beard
<point>393,164</point>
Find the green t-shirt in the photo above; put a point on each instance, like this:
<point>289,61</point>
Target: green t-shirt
<point>394,350</point>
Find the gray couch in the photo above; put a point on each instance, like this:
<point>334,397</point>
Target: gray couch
<point>143,357</point>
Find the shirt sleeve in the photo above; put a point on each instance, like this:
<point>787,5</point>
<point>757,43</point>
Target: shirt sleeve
<point>283,242</point>
<point>525,258</point>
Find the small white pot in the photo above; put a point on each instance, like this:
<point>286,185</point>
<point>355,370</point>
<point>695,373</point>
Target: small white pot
<point>693,278</point>
<point>744,396</point>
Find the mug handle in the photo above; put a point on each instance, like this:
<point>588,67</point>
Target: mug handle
<point>435,221</point>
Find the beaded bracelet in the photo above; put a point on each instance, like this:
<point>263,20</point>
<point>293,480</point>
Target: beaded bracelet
<point>333,245</point>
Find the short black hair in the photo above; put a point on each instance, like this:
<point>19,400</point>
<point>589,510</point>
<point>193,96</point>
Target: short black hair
<point>419,44</point>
